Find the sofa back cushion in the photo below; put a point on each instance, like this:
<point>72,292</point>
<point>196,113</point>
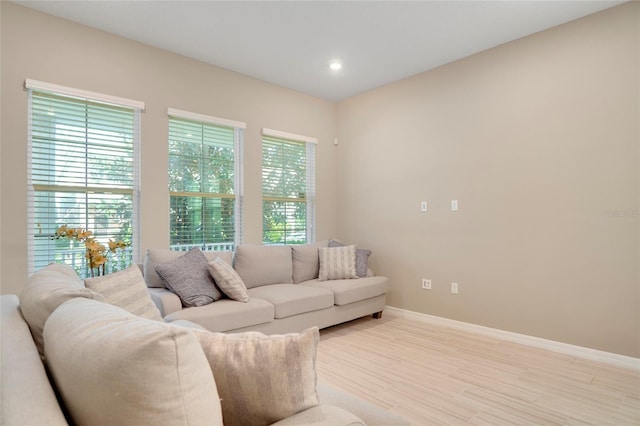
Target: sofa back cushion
<point>155,256</point>
<point>114,368</point>
<point>263,265</point>
<point>306,262</point>
<point>47,289</point>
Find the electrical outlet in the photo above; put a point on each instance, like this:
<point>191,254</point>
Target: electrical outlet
<point>454,288</point>
<point>426,284</point>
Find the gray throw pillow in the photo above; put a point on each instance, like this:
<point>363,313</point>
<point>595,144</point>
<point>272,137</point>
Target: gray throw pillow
<point>155,256</point>
<point>189,278</point>
<point>362,258</point>
<point>47,289</point>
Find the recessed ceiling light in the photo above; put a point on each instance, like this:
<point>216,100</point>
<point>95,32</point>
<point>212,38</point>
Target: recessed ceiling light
<point>335,65</point>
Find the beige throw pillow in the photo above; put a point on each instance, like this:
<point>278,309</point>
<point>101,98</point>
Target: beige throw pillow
<point>228,280</point>
<point>114,368</point>
<point>262,379</point>
<point>337,263</point>
<point>127,290</point>
<point>47,289</point>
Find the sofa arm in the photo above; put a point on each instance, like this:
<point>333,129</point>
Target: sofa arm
<point>166,301</point>
<point>27,396</point>
<point>322,415</point>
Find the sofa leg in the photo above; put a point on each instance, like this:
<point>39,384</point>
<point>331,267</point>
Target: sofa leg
<point>377,315</point>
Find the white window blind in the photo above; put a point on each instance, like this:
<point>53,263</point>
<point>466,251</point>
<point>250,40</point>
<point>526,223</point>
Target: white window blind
<point>83,173</point>
<point>205,182</point>
<point>288,190</point>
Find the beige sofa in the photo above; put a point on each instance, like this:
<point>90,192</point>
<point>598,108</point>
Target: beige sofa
<point>69,357</point>
<point>285,293</point>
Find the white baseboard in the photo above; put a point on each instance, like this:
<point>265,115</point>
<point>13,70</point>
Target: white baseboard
<point>551,345</point>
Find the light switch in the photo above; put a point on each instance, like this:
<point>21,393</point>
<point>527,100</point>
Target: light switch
<point>423,206</point>
<point>454,205</point>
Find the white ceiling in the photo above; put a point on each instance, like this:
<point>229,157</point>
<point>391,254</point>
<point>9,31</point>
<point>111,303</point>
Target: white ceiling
<point>290,43</point>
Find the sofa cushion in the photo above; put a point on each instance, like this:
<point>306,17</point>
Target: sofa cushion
<point>155,256</point>
<point>362,258</point>
<point>262,379</point>
<point>349,291</point>
<point>337,263</point>
<point>127,290</point>
<point>188,276</point>
<point>227,314</point>
<point>47,289</point>
<point>262,265</point>
<point>113,368</point>
<point>228,280</point>
<point>292,299</point>
<point>306,262</point>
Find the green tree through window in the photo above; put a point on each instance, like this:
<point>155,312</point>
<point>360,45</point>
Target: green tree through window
<point>83,174</point>
<point>288,191</point>
<point>202,185</point>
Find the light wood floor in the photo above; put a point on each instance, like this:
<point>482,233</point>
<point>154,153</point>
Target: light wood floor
<point>434,375</point>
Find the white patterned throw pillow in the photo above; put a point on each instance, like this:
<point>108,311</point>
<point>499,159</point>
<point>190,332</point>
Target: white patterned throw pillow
<point>362,258</point>
<point>337,263</point>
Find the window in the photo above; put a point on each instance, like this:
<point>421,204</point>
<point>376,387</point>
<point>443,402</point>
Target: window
<point>83,173</point>
<point>205,181</point>
<point>288,188</point>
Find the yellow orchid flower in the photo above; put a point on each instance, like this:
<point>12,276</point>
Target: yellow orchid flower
<point>96,253</point>
<point>83,235</point>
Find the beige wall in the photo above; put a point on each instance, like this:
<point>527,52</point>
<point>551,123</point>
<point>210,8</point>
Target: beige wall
<point>42,47</point>
<point>539,141</point>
